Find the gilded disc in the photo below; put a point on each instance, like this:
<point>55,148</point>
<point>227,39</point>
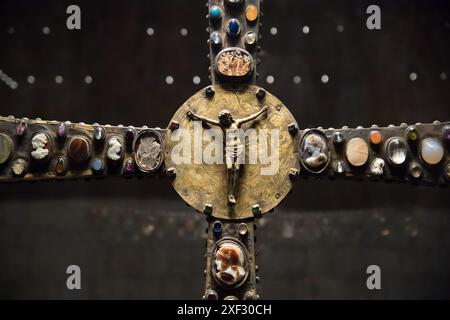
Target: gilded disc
<point>203,185</point>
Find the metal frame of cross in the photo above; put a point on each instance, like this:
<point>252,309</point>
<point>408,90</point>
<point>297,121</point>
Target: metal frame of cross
<point>32,150</point>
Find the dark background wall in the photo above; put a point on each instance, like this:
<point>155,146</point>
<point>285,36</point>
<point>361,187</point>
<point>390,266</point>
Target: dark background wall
<point>135,238</point>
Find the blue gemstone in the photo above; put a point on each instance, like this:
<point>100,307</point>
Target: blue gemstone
<point>215,14</point>
<point>217,228</point>
<point>97,165</point>
<point>234,28</point>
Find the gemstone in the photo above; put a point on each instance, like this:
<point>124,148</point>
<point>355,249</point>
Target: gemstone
<point>61,130</point>
<point>446,132</point>
<point>234,28</point>
<point>261,94</point>
<point>229,263</point>
<point>411,133</point>
<point>216,39</point>
<point>338,137</point>
<point>217,227</point>
<point>314,152</point>
<point>375,137</point>
<point>415,170</point>
<point>251,13</point>
<point>377,167</point>
<point>148,151</point>
<point>234,63</point>
<point>97,166</point>
<point>19,167</point>
<point>431,151</point>
<point>211,295</point>
<point>99,134</point>
<point>41,146</point>
<point>339,167</point>
<point>357,152</point>
<point>215,13</point>
<point>115,149</point>
<point>79,149</point>
<point>129,166</point>
<point>396,151</point>
<point>209,92</point>
<point>6,148</point>
<point>233,2</point>
<point>292,128</point>
<point>256,210</point>
<point>60,166</point>
<point>130,133</point>
<point>21,127</point>
<point>243,229</point>
<point>250,38</point>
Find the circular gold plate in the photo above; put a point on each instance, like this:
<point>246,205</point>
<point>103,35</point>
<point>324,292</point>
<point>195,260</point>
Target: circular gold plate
<point>201,184</point>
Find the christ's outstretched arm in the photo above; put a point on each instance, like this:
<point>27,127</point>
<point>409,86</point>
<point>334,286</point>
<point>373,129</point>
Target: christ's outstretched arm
<point>194,116</point>
<point>240,122</point>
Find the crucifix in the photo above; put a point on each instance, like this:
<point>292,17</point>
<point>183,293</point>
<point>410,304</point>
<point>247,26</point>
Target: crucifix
<point>233,194</point>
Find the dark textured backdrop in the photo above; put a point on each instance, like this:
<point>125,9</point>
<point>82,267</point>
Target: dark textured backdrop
<point>135,238</point>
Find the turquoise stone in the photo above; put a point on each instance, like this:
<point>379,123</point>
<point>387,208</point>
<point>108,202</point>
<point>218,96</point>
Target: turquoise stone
<point>215,14</point>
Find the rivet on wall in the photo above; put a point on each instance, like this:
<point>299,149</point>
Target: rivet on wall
<point>31,79</point>
<point>11,30</point>
<point>340,28</point>
<point>273,31</point>
<point>443,76</point>
<point>270,79</point>
<point>305,29</point>
<point>413,76</point>
<point>46,30</point>
<point>184,32</point>
<point>59,79</point>
<point>297,79</point>
<point>325,78</point>
<point>88,79</point>
<point>169,80</point>
<point>196,80</point>
<point>150,31</point>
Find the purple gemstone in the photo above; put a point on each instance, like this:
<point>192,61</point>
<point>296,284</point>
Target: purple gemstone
<point>447,133</point>
<point>21,127</point>
<point>129,135</point>
<point>129,166</point>
<point>61,130</point>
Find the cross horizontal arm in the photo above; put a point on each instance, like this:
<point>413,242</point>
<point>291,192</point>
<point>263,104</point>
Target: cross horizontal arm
<point>32,150</point>
<point>417,153</point>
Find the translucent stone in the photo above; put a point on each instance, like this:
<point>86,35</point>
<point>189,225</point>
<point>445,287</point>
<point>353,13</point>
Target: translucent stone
<point>216,39</point>
<point>250,38</point>
<point>431,151</point>
<point>396,151</point>
<point>234,27</point>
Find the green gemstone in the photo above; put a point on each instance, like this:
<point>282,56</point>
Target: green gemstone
<point>413,135</point>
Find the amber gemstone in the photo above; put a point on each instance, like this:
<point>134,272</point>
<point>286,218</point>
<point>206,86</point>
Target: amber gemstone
<point>251,13</point>
<point>375,137</point>
<point>60,166</point>
<point>79,149</point>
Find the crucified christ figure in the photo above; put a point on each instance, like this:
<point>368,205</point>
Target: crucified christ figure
<point>233,143</point>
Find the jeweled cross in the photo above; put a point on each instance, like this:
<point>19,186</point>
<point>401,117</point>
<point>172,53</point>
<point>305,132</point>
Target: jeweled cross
<point>261,164</point>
